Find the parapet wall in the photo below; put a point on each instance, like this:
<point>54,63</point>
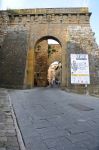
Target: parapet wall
<point>53,15</point>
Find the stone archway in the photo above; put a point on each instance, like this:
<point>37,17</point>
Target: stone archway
<point>43,57</point>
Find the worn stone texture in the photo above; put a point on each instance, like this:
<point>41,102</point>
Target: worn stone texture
<point>51,119</point>
<point>22,30</point>
<point>41,58</point>
<point>81,40</point>
<point>8,135</point>
<point>55,54</point>
<point>13,59</point>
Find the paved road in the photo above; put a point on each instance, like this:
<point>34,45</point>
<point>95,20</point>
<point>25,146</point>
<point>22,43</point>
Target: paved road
<point>51,119</point>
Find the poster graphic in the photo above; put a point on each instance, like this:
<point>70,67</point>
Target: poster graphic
<point>80,69</point>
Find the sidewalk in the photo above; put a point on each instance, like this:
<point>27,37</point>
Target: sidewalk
<point>8,132</point>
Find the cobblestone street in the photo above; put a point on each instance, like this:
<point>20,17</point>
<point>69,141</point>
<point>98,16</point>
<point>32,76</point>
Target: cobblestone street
<point>51,119</point>
<point>8,136</point>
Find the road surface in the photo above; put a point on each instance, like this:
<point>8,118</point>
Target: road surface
<point>52,119</point>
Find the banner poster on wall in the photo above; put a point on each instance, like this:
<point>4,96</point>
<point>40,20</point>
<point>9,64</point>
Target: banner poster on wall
<point>80,69</point>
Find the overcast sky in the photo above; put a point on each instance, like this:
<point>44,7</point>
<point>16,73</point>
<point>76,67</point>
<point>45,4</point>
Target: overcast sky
<point>92,4</point>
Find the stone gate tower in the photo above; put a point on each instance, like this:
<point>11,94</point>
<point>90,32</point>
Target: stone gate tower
<point>24,34</point>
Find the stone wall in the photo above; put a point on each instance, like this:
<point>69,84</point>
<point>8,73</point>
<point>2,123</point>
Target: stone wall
<point>3,27</point>
<point>81,40</point>
<point>41,67</point>
<point>55,54</point>
<point>21,30</point>
<point>13,59</point>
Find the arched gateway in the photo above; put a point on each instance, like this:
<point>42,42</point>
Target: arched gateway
<point>24,48</point>
<point>44,55</point>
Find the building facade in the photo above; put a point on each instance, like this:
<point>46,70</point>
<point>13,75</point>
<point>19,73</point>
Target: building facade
<point>24,57</point>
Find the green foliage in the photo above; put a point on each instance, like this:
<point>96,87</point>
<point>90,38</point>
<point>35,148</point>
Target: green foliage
<point>50,50</point>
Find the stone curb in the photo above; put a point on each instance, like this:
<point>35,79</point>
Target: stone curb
<point>18,132</point>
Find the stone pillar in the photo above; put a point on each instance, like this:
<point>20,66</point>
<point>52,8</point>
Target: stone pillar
<point>29,73</point>
<point>64,67</point>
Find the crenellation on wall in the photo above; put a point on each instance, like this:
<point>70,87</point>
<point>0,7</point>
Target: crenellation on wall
<point>82,10</point>
<point>66,16</point>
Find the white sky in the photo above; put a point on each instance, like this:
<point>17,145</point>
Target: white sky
<point>42,3</point>
<point>50,41</point>
<point>92,4</point>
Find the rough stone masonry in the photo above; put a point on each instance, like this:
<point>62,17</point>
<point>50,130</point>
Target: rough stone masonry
<point>21,31</point>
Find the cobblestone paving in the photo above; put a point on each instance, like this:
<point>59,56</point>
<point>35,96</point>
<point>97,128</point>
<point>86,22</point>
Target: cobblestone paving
<point>8,137</point>
<point>51,119</point>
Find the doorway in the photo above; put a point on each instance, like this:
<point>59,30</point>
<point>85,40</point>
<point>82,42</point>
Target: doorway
<point>47,51</point>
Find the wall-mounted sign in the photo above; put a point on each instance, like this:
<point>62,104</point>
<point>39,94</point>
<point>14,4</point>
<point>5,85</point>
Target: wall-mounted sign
<point>80,69</point>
